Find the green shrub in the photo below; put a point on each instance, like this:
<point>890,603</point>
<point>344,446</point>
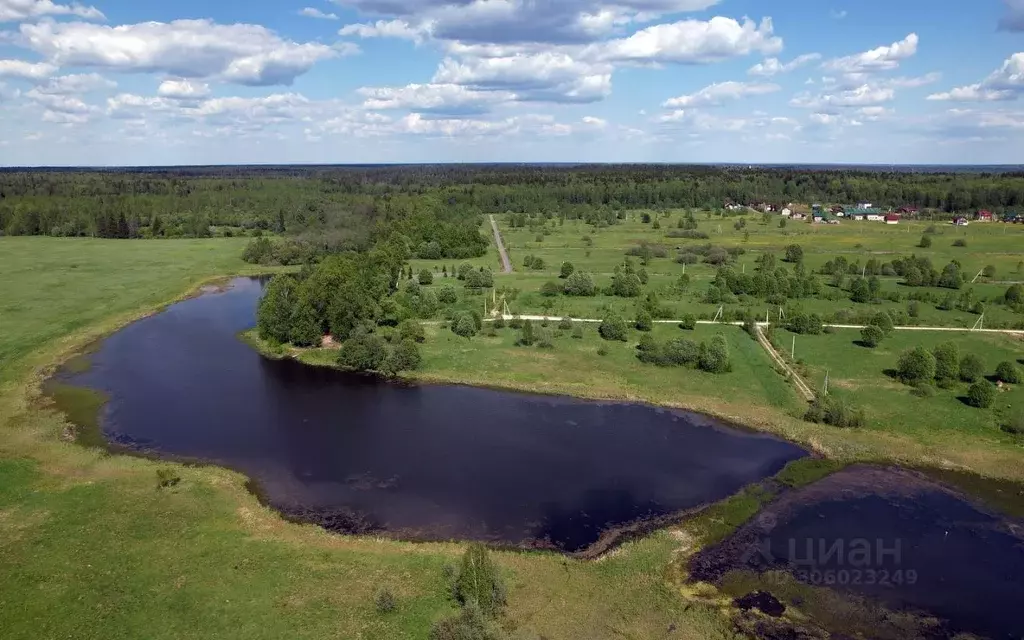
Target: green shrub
<point>971,368</point>
<point>478,582</point>
<point>644,322</point>
<point>577,332</point>
<point>602,351</point>
<point>448,295</point>
<point>566,270</point>
<point>426,277</point>
<point>714,357</point>
<point>526,337</point>
<point>883,321</point>
<point>960,243</point>
<point>947,361</point>
<point>689,322</point>
<point>411,330</point>
<point>565,324</point>
<point>982,394</point>
<point>916,366</point>
<point>499,322</point>
<point>833,410</point>
<point>166,478</point>
<point>1007,372</point>
<point>871,336</point>
<point>613,328</point>
<point>925,242</point>
<point>463,325</point>
<point>579,284</point>
<point>363,352</point>
<point>550,289</point>
<point>386,601</point>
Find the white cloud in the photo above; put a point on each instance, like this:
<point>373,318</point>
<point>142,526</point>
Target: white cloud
<point>23,10</point>
<point>311,12</point>
<point>1005,83</point>
<point>525,21</point>
<point>838,14</point>
<point>772,66</point>
<point>446,99</point>
<point>693,42</point>
<point>240,53</point>
<point>183,89</point>
<point>399,29</point>
<point>26,70</point>
<point>595,122</point>
<point>542,77</point>
<point>62,104</point>
<point>864,95</point>
<point>1014,18</point>
<point>718,93</point>
<point>879,59</point>
<point>77,83</point>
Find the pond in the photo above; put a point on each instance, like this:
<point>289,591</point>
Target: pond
<point>423,462</point>
<point>891,536</point>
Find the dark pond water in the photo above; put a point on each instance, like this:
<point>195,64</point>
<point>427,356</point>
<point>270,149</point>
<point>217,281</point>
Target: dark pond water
<point>424,462</point>
<point>889,536</point>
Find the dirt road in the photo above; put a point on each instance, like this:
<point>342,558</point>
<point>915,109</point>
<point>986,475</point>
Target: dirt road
<point>506,264</point>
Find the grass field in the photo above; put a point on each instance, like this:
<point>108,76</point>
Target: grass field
<point>995,244</point>
<point>90,547</point>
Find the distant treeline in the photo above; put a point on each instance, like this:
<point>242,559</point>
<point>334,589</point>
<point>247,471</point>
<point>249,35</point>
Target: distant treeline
<point>439,206</point>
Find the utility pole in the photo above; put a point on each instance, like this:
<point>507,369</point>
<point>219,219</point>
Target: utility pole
<point>792,353</point>
<point>826,382</point>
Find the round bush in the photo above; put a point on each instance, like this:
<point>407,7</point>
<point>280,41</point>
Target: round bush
<point>1008,373</point>
<point>981,394</point>
<point>871,336</point>
<point>916,366</point>
<point>971,368</point>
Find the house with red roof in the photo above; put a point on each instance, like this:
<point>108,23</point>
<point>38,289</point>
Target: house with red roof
<point>983,216</point>
<point>892,218</point>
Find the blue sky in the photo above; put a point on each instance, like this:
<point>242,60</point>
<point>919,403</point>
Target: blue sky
<point>131,82</point>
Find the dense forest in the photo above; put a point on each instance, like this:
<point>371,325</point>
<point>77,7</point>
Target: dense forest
<point>438,207</point>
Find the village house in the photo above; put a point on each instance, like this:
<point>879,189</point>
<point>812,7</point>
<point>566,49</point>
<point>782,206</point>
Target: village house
<point>864,205</point>
<point>983,216</point>
<point>798,216</point>
<point>856,216</point>
<point>892,218</point>
<point>960,221</point>
<point>786,212</point>
<point>1012,216</point>
<point>875,216</point>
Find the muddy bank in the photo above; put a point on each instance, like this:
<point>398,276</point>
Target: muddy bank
<point>891,536</point>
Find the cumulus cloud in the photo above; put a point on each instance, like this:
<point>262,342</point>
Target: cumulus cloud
<point>542,77</point>
<point>311,12</point>
<point>76,84</point>
<point>441,99</point>
<point>879,59</point>
<point>864,95</point>
<point>399,29</point>
<point>23,10</point>
<point>1005,83</point>
<point>183,89</point>
<point>241,53</point>
<point>772,66</point>
<point>525,21</point>
<point>1013,20</point>
<point>693,42</point>
<point>26,70</point>
<point>719,93</point>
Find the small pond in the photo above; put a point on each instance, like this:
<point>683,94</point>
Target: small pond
<point>432,462</point>
<point>894,537</point>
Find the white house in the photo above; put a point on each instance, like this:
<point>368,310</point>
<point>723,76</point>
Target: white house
<point>892,219</point>
<point>876,217</point>
<point>864,205</point>
<point>786,212</point>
